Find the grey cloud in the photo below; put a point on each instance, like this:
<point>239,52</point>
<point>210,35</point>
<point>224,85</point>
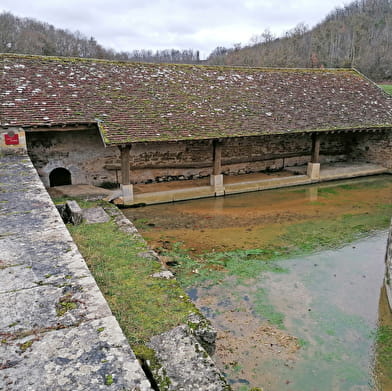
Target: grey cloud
<point>153,24</point>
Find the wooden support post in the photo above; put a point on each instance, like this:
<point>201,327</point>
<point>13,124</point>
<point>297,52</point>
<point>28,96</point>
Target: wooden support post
<point>125,175</point>
<point>217,157</point>
<point>216,179</point>
<point>313,171</point>
<point>126,186</point>
<point>315,148</point>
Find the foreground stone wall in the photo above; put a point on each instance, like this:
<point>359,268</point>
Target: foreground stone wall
<point>388,263</point>
<point>372,147</point>
<point>83,154</point>
<point>56,329</point>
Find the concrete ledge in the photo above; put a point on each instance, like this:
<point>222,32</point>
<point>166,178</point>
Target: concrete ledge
<point>267,184</point>
<point>56,329</point>
<point>327,172</point>
<point>190,193</point>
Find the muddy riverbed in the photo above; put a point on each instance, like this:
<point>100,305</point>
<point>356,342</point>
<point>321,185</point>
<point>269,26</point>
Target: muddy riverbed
<point>290,278</point>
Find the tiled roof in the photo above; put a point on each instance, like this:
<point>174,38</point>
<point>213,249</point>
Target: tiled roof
<point>145,102</point>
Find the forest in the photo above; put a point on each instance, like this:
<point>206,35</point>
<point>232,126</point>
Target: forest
<point>358,35</point>
<point>29,36</point>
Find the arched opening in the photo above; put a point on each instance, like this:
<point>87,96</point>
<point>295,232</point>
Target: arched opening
<point>60,177</point>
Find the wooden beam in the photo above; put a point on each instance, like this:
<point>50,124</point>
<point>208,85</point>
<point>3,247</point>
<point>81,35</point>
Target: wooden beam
<point>58,128</point>
<point>217,157</point>
<point>125,162</point>
<point>315,148</point>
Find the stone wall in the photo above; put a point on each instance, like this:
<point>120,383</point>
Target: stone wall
<point>373,147</point>
<point>84,155</point>
<point>80,152</point>
<point>277,152</point>
<point>56,329</point>
<point>388,262</point>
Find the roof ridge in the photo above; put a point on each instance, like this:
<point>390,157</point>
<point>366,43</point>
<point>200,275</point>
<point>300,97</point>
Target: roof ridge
<point>176,65</point>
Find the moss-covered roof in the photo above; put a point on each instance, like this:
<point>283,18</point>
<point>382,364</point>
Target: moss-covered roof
<point>135,102</point>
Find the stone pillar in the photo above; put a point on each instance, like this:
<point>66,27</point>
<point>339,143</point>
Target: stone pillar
<point>216,179</point>
<point>126,186</point>
<point>313,171</point>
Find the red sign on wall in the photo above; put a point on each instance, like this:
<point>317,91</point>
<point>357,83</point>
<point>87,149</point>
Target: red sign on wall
<point>11,139</point>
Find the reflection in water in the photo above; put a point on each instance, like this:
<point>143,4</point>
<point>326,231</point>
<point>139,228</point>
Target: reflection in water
<point>253,220</point>
<point>309,323</point>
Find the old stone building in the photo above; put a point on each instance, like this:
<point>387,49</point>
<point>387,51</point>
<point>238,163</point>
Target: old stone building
<point>94,121</point>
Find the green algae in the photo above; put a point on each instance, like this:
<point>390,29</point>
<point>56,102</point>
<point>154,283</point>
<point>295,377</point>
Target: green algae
<point>66,303</point>
<point>295,239</point>
<point>26,345</point>
<point>109,380</point>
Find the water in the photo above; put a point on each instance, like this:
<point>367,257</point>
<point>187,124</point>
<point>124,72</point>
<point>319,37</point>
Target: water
<point>330,304</point>
<point>306,320</point>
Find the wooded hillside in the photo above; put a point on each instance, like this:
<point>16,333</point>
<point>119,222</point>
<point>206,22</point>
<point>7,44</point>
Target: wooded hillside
<point>29,36</point>
<point>358,35</point>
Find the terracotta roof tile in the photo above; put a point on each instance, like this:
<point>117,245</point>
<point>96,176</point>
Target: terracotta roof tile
<point>145,102</point>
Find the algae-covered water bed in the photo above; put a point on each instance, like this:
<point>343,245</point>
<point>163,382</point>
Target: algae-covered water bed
<point>290,278</point>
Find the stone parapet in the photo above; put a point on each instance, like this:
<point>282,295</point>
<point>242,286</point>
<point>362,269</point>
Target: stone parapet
<point>388,273</point>
<point>56,329</point>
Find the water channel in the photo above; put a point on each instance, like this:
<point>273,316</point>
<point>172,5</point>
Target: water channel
<point>290,278</point>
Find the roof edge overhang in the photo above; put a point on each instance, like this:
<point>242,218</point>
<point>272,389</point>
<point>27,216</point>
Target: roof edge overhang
<point>368,128</point>
<point>61,127</point>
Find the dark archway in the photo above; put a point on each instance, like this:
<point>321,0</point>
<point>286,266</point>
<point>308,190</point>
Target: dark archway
<point>60,177</point>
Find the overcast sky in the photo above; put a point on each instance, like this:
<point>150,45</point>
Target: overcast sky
<point>180,24</point>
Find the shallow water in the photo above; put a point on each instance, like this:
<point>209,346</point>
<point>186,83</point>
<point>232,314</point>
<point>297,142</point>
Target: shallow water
<point>254,219</point>
<point>330,303</point>
<point>309,322</point>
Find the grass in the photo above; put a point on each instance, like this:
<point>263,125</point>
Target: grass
<point>144,306</point>
<point>387,88</point>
